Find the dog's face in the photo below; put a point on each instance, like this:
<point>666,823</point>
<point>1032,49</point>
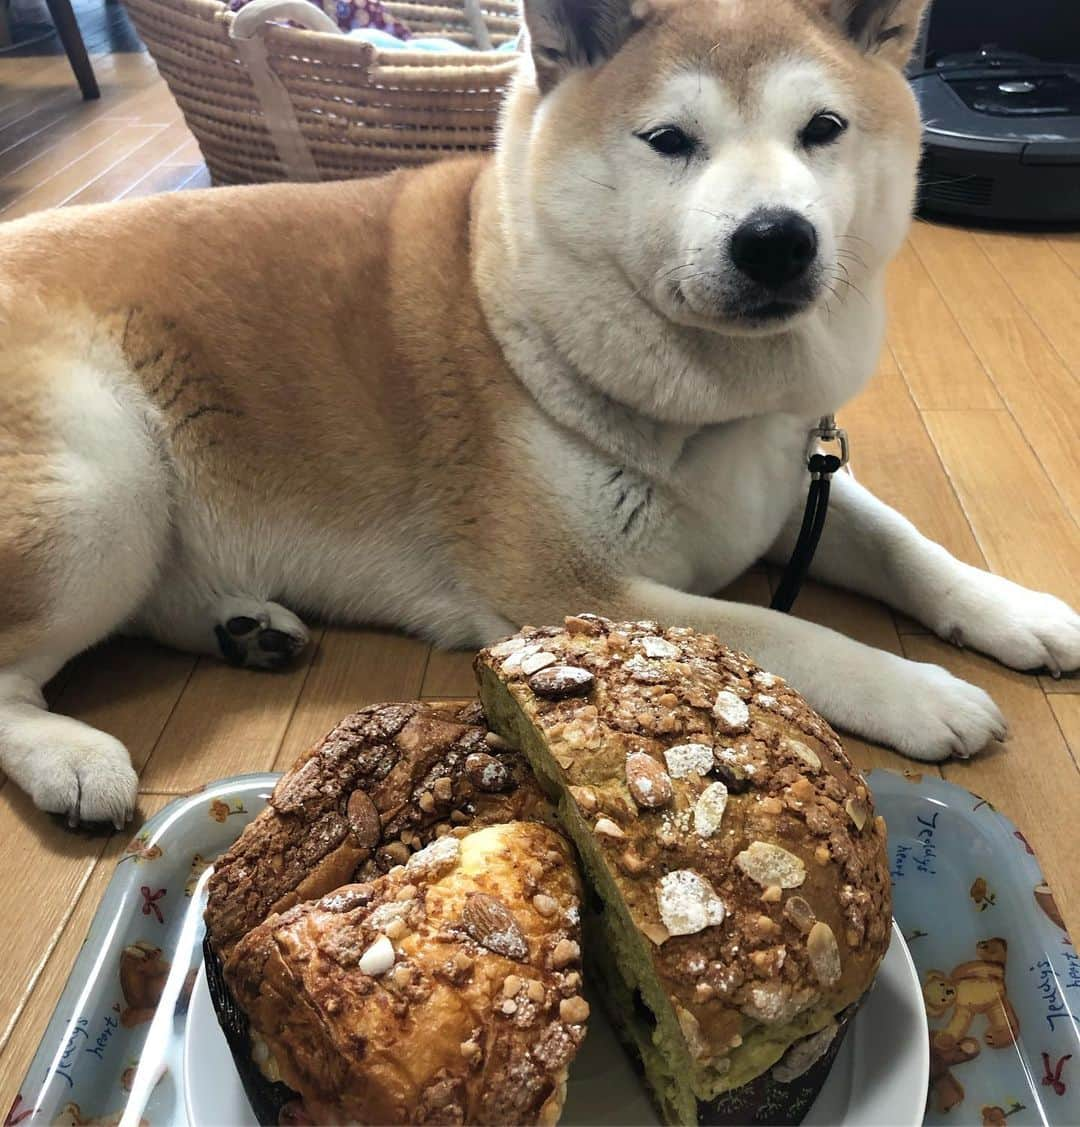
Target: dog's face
<point>742,162</point>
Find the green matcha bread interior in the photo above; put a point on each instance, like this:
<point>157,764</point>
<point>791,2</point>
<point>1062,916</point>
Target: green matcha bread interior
<point>739,876</point>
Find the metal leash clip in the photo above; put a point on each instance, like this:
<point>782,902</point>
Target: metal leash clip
<point>824,433</point>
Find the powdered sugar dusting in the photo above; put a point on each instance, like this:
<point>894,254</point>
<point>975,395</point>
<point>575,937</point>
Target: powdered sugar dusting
<point>434,859</point>
<point>658,647</point>
<point>688,903</point>
<point>731,712</point>
<point>688,759</point>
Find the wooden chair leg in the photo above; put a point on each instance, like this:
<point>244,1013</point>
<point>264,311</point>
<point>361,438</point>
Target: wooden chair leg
<point>68,29</point>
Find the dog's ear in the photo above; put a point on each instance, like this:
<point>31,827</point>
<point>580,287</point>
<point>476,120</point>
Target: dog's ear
<point>565,35</point>
<point>886,28</point>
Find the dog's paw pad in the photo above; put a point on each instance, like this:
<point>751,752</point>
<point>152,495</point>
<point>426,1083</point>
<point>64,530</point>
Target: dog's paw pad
<point>267,638</point>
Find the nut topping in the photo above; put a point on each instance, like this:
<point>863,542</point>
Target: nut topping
<point>688,759</point>
<point>731,713</point>
<point>378,958</point>
<point>658,647</point>
<point>807,755</point>
<point>486,772</point>
<point>709,809</point>
<point>771,864</point>
<point>799,912</point>
<point>574,1010</point>
<point>545,905</point>
<point>363,820</point>
<point>558,681</point>
<point>566,952</point>
<point>649,784</point>
<point>491,924</point>
<point>657,934</point>
<point>533,663</point>
<point>505,649</point>
<point>688,903</point>
<point>585,797</point>
<point>435,859</point>
<point>608,828</point>
<point>824,954</point>
<point>857,811</point>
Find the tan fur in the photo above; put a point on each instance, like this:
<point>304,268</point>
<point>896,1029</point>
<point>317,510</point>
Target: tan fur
<point>359,387</point>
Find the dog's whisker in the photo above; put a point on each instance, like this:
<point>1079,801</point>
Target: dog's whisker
<point>717,215</point>
<point>598,183</point>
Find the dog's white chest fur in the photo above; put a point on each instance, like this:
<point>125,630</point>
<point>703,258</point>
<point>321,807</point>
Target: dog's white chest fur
<point>708,503</point>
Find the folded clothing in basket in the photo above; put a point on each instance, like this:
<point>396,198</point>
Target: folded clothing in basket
<point>385,41</point>
<point>352,15</point>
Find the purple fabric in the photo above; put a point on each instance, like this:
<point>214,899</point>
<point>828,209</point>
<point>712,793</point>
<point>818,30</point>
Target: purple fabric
<point>352,14</point>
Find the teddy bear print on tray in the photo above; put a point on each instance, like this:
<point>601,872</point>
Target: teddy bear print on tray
<point>973,990</point>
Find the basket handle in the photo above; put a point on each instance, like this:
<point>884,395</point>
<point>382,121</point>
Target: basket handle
<point>477,25</point>
<point>247,32</point>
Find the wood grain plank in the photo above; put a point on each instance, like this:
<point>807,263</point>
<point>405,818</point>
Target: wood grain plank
<point>40,848</point>
<point>936,360</point>
<point>33,99</point>
<point>28,165</point>
<point>29,1024</point>
<point>126,173</point>
<point>128,688</point>
<point>449,674</point>
<point>351,668</point>
<point>1044,282</point>
<point>189,153</point>
<point>82,171</point>
<point>1020,522</point>
<point>1061,685</point>
<point>1038,389</point>
<point>1032,779</point>
<point>894,457</point>
<point>228,722</point>
<point>1067,245</point>
<point>1066,709</point>
<point>200,178</point>
<point>39,115</point>
<point>165,178</point>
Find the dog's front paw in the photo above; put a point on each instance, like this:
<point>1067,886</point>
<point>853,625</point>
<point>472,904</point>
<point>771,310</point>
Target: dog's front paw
<point>919,709</point>
<point>89,781</point>
<point>1020,628</point>
<point>936,715</point>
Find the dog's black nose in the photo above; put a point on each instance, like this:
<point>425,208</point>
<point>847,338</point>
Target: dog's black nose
<point>774,247</point>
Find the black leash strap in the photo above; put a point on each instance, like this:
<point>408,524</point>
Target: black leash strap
<point>821,466</point>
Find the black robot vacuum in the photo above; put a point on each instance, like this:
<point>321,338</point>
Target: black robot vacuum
<point>998,84</point>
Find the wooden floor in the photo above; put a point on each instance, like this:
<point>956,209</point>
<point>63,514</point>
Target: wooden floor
<point>970,428</point>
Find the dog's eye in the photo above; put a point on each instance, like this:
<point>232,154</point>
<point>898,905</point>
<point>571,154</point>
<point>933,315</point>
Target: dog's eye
<point>822,129</point>
<point>669,141</point>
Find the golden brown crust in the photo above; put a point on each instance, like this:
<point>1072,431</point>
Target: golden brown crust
<point>446,991</point>
<point>691,766</point>
<point>385,781</point>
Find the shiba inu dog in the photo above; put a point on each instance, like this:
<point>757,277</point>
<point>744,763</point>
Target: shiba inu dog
<point>575,376</point>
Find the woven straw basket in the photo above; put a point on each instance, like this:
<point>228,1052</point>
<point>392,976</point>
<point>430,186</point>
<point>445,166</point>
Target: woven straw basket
<point>272,102</point>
